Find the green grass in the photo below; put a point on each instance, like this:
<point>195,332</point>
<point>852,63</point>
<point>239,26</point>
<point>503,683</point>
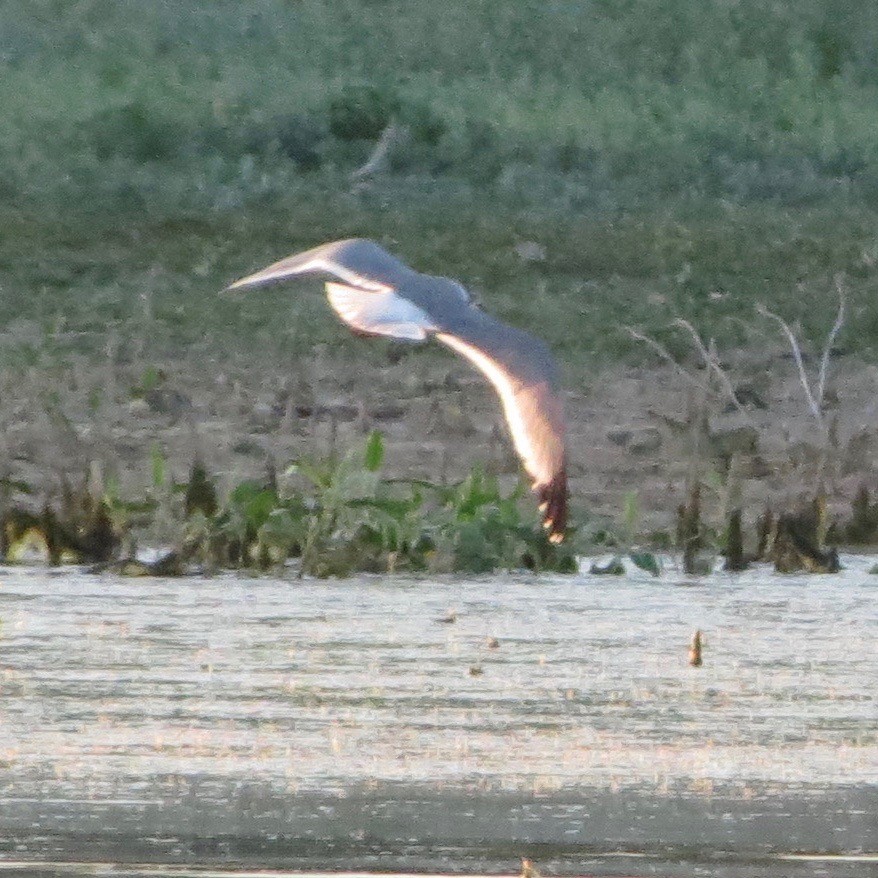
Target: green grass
<point>675,159</point>
<point>158,280</point>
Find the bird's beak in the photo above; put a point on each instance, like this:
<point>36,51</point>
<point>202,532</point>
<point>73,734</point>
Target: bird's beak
<point>271,274</point>
<point>251,280</point>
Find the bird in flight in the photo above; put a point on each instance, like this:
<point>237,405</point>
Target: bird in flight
<point>375,293</point>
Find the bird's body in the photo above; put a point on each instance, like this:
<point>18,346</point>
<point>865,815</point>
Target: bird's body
<point>377,294</point>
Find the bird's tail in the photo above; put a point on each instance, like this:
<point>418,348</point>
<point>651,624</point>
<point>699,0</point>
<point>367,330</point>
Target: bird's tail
<point>553,506</point>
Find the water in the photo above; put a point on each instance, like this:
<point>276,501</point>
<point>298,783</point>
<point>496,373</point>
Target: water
<point>258,723</point>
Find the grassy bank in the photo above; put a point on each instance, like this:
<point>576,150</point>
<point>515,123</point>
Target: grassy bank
<point>153,283</point>
<point>680,159</point>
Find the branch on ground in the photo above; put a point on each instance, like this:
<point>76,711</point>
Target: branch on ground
<point>814,399</point>
<point>711,362</point>
<point>377,161</point>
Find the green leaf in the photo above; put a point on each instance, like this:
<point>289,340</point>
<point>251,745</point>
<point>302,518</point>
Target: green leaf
<point>254,502</point>
<point>150,379</point>
<point>138,507</point>
<point>350,482</point>
<point>646,561</point>
<point>630,513</point>
<point>283,530</point>
<point>374,452</point>
<point>158,467</point>
<point>320,473</point>
<point>397,508</point>
<point>476,491</point>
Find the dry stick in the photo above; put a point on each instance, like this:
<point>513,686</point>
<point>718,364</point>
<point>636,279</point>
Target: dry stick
<point>110,351</point>
<point>694,475</point>
<point>710,359</point>
<point>376,161</point>
<point>797,355</point>
<point>816,405</point>
<point>665,354</point>
<point>824,368</point>
<point>839,321</point>
<point>712,362</point>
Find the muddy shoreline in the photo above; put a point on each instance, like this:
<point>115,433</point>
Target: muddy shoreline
<point>630,431</point>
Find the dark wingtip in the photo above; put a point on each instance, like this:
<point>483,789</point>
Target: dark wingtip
<point>553,505</point>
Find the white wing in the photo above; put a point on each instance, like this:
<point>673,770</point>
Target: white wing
<point>383,313</point>
<point>355,261</point>
<point>536,422</point>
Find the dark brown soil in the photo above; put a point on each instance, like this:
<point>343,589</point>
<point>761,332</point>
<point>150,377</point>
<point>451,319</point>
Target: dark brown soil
<point>631,429</point>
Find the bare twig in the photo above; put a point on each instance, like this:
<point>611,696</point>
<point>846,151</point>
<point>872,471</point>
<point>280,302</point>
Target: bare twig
<point>712,362</point>
<point>376,161</point>
<point>797,355</point>
<point>827,349</point>
<point>665,354</point>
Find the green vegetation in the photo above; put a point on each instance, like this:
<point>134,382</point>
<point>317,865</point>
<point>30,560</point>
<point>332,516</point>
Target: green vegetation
<point>336,516</point>
<point>628,537</point>
<point>673,159</point>
<point>339,516</point>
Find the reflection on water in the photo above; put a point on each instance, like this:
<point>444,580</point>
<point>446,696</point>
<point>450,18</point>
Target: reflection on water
<point>161,871</point>
<point>136,697</point>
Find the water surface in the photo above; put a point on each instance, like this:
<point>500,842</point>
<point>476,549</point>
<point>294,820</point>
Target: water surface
<point>258,722</point>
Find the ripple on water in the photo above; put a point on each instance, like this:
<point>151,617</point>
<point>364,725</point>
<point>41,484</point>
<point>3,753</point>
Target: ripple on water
<point>306,681</point>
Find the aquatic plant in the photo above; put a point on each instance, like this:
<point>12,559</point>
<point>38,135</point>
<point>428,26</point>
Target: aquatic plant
<point>476,528</point>
<point>640,558</point>
<point>735,557</point>
<point>613,567</point>
<point>717,459</point>
<point>79,530</point>
<point>338,516</point>
<point>799,540</point>
<point>862,527</point>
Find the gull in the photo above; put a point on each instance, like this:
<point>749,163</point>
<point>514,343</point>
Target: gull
<point>376,294</point>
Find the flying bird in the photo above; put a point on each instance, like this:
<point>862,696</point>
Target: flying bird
<point>375,293</point>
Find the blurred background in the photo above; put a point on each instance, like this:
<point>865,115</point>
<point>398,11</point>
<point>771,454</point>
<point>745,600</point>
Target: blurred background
<point>582,165</point>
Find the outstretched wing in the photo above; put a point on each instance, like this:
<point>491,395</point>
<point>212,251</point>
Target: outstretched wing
<point>356,261</point>
<point>375,293</point>
<point>522,372</point>
<point>367,298</point>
